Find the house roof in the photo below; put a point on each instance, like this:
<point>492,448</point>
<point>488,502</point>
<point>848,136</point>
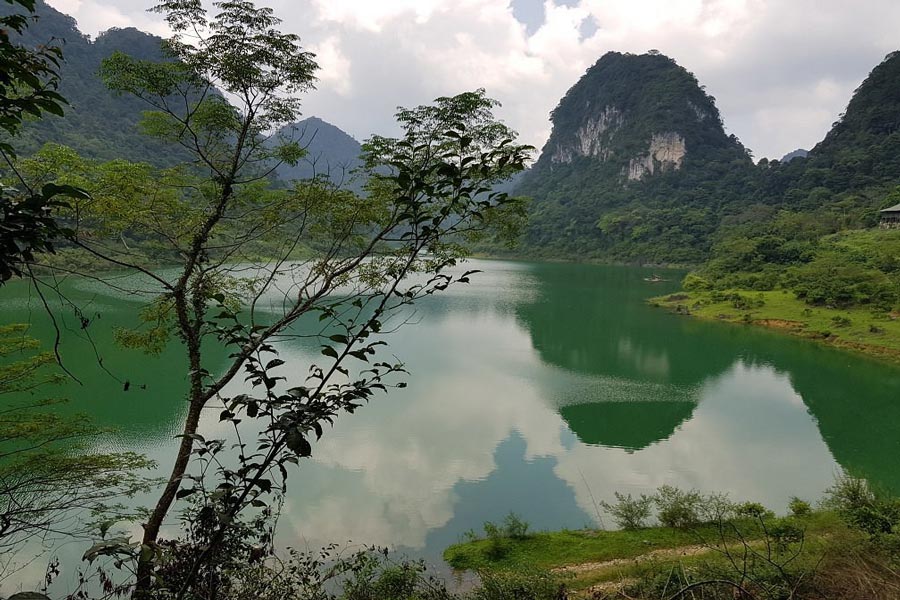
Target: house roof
<point>893,209</point>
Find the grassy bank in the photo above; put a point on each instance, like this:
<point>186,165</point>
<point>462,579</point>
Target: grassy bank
<point>861,330</point>
<point>704,547</point>
<point>591,561</point>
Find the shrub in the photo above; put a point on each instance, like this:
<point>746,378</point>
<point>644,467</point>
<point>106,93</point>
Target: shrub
<point>753,510</point>
<point>695,283</point>
<point>831,281</point>
<point>628,512</point>
<point>677,508</point>
<point>498,545</point>
<point>515,527</point>
<point>498,536</point>
<point>840,321</point>
<point>863,509</point>
<point>799,508</point>
<point>375,580</point>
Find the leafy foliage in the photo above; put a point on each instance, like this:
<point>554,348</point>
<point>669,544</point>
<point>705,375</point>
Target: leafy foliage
<point>428,192</point>
<point>50,482</point>
<point>628,512</point>
<point>29,80</point>
<point>98,123</point>
<point>29,76</point>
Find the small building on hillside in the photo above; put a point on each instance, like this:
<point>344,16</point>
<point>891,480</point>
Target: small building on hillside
<point>890,218</point>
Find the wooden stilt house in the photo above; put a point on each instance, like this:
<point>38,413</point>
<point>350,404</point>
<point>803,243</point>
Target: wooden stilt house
<point>890,218</point>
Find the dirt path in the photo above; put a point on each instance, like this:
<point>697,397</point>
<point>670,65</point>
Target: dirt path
<point>603,588</point>
<point>618,562</point>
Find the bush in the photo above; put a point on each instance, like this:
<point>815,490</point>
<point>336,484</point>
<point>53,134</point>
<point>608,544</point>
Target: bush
<point>753,510</point>
<point>863,509</point>
<point>515,527</point>
<point>498,544</point>
<point>498,536</point>
<point>840,321</point>
<point>799,508</point>
<point>831,281</point>
<point>695,283</point>
<point>744,303</point>
<point>375,580</point>
<point>628,512</point>
<point>678,508</point>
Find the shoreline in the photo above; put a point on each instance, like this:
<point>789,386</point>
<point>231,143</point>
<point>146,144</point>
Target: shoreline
<point>858,331</point>
<point>595,560</point>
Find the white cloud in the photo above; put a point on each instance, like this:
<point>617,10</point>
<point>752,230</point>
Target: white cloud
<point>334,66</point>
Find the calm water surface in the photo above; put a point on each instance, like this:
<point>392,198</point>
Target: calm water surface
<point>539,389</point>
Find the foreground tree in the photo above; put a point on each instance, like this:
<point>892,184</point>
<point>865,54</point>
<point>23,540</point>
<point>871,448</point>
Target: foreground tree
<point>52,485</point>
<point>339,269</point>
<point>29,78</point>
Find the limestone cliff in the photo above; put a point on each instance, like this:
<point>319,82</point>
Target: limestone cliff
<point>633,132</point>
<point>593,138</point>
<point>644,114</point>
<point>667,151</point>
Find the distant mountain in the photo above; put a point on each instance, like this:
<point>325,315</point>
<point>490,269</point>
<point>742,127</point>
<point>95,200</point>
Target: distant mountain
<point>98,124</point>
<point>331,152</point>
<point>799,153</point>
<point>102,125</point>
<point>637,161</point>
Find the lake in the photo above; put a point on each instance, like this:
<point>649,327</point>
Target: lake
<point>539,389</point>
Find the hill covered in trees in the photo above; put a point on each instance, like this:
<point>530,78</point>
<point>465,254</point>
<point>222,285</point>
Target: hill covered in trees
<point>809,225</point>
<point>638,166</point>
<point>330,152</point>
<point>100,124</point>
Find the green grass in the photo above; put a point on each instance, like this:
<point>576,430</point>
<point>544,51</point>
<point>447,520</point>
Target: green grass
<point>549,551</point>
<point>560,548</point>
<point>858,329</point>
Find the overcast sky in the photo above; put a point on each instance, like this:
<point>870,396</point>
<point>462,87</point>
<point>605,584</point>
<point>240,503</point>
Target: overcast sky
<point>781,70</point>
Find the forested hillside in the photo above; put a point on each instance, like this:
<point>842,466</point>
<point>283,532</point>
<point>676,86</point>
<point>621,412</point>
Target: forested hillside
<point>638,166</point>
<point>103,125</point>
<point>98,123</point>
<point>805,221</point>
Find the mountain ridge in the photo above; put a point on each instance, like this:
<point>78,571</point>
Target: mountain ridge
<point>102,125</point>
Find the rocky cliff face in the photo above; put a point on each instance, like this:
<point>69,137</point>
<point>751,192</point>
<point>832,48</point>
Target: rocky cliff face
<point>667,151</point>
<point>593,138</point>
<point>643,115</point>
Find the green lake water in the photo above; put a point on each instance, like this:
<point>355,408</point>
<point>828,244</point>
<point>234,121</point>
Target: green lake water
<point>539,389</point>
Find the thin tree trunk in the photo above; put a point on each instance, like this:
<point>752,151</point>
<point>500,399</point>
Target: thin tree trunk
<point>166,499</point>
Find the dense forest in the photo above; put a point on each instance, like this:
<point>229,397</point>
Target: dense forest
<point>98,124</point>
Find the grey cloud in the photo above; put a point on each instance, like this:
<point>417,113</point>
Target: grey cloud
<point>781,74</point>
